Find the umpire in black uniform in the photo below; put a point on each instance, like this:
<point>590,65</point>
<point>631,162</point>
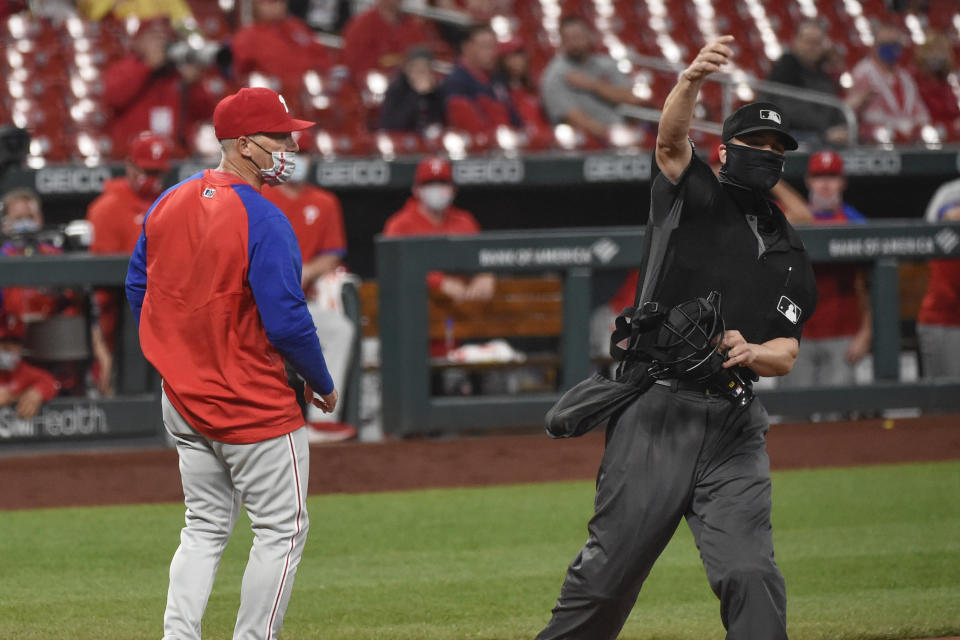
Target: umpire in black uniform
<point>680,449</point>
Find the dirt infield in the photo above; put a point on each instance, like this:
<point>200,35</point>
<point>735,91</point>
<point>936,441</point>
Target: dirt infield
<point>127,477</point>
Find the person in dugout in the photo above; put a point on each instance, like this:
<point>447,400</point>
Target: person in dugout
<point>116,218</point>
<point>24,388</point>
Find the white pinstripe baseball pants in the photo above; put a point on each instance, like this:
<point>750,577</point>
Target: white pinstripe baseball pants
<point>269,480</point>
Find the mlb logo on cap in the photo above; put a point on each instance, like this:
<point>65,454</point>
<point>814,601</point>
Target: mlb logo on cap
<point>755,118</point>
<point>766,114</point>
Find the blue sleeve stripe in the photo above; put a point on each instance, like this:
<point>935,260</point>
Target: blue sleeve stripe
<point>275,276</point>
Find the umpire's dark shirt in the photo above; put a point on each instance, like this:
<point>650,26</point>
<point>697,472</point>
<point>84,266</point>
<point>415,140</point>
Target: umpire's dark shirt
<point>705,235</point>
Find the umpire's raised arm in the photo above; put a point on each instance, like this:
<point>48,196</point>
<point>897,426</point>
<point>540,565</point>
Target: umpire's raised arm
<point>673,149</point>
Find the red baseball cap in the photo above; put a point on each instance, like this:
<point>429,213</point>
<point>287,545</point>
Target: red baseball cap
<point>513,45</point>
<point>151,152</point>
<point>433,169</point>
<point>825,163</point>
<point>254,110</point>
<point>11,329</point>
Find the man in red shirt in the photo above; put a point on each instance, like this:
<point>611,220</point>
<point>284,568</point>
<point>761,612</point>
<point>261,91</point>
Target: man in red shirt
<point>938,323</point>
<point>116,216</point>
<point>430,213</point>
<point>838,334</point>
<point>278,44</point>
<point>215,287</point>
<point>146,92</point>
<point>378,38</point>
<point>22,385</point>
<point>317,221</point>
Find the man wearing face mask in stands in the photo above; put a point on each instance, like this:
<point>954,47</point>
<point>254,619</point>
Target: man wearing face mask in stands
<point>430,212</point>
<point>884,94</point>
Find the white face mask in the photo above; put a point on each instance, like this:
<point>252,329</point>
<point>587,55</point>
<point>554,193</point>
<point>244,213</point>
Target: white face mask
<point>284,164</point>
<point>9,360</point>
<point>436,197</point>
<point>300,171</point>
<point>24,225</point>
<point>819,203</point>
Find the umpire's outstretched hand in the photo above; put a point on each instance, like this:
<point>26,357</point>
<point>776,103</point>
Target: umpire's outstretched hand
<point>710,59</point>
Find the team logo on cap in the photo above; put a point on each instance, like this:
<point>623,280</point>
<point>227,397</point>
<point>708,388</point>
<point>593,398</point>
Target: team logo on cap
<point>790,310</point>
<point>767,114</point>
<point>284,103</point>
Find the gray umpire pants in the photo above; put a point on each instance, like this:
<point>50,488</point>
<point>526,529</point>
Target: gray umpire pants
<point>674,455</point>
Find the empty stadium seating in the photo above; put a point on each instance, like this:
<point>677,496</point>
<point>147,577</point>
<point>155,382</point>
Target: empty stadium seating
<point>51,71</point>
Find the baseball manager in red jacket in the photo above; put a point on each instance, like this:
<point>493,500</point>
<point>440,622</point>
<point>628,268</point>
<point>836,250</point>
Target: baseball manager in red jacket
<point>214,283</point>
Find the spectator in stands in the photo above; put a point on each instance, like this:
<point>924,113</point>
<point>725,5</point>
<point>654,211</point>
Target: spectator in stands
<point>802,66</point>
<point>413,101</point>
<point>147,92</point>
<point>279,45</point>
<point>514,73</point>
<point>116,216</point>
<point>839,333</point>
<point>23,227</point>
<point>938,323</point>
<point>378,38</point>
<point>476,101</point>
<point>317,221</point>
<point>884,94</point>
<point>934,64</point>
<point>581,87</point>
<point>430,212</point>
<point>22,386</point>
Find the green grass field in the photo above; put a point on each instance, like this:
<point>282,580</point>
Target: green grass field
<point>867,553</point>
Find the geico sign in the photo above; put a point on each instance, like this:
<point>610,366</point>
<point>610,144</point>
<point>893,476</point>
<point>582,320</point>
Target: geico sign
<point>72,180</point>
<point>346,174</point>
<point>879,163</point>
<point>616,168</point>
<point>497,171</point>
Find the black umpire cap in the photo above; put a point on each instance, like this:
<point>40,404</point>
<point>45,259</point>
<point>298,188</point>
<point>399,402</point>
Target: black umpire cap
<point>758,116</point>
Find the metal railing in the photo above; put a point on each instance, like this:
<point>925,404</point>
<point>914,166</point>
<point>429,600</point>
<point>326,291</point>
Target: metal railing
<point>730,84</point>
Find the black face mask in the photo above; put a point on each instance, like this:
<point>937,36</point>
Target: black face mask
<point>750,168</point>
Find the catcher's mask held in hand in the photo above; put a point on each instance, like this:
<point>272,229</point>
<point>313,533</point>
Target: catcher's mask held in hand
<point>690,334</point>
<point>688,347</point>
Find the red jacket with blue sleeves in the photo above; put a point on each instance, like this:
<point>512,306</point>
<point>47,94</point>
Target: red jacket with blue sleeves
<point>214,283</point>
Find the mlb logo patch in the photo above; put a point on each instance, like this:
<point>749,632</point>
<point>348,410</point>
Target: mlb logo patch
<point>789,309</point>
<point>767,114</point>
<point>209,192</point>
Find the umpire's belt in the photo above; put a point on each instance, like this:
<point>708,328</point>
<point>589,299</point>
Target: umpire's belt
<point>684,385</point>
